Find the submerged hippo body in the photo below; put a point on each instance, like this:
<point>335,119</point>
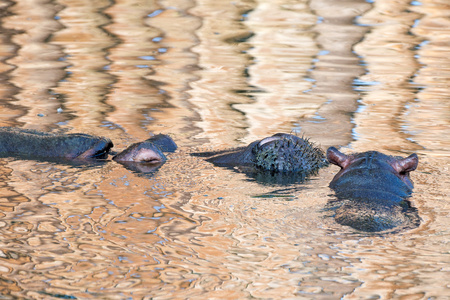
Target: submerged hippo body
<point>279,157</point>
<point>372,190</point>
<point>36,144</point>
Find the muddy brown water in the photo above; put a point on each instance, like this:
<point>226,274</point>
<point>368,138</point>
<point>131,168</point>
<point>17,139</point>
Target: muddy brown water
<point>361,75</point>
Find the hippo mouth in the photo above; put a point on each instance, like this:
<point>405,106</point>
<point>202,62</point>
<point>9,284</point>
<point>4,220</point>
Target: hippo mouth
<point>143,152</point>
<point>149,157</point>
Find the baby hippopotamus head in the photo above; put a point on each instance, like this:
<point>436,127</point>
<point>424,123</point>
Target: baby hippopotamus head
<point>287,153</point>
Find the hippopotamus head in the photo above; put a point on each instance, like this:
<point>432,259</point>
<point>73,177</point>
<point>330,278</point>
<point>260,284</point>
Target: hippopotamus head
<point>372,190</point>
<point>146,156</point>
<point>279,159</point>
<point>149,151</point>
<point>373,160</point>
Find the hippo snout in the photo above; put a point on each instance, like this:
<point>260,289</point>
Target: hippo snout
<point>144,152</point>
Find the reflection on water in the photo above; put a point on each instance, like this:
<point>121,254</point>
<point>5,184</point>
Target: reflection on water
<point>217,74</point>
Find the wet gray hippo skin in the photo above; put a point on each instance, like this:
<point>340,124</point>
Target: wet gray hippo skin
<point>280,153</point>
<point>372,190</point>
<point>35,144</point>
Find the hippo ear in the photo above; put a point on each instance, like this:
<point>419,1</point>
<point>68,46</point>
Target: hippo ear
<point>408,164</point>
<point>337,158</point>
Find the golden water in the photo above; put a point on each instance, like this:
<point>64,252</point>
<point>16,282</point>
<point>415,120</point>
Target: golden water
<point>218,74</point>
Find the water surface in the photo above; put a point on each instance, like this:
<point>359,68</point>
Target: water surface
<point>217,74</point>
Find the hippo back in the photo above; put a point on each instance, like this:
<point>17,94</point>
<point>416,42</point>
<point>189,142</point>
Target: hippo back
<point>34,144</point>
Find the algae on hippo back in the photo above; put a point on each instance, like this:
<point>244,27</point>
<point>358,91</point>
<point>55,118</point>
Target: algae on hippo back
<point>288,153</point>
<point>281,158</point>
<point>372,190</point>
